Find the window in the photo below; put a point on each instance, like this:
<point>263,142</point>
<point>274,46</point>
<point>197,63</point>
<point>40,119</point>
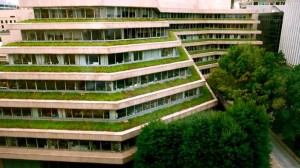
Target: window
<point>48,113</point>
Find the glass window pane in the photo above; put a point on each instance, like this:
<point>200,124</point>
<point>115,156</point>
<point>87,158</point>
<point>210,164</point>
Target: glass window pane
<point>26,112</point>
<point>70,85</point>
<point>42,143</point>
<point>100,86</point>
<point>41,85</point>
<point>63,144</point>
<point>60,85</point>
<point>50,85</point>
<point>2,141</point>
<point>106,146</point>
<point>31,142</point>
<point>95,146</point>
<point>22,142</point>
<point>52,144</point>
<point>16,112</point>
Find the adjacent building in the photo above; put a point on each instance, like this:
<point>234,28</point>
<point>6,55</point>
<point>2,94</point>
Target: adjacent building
<point>85,76</point>
<point>290,35</point>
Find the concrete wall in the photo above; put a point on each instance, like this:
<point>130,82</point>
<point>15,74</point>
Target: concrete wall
<point>87,25</point>
<point>290,33</point>
<point>188,4</point>
<point>87,50</point>
<point>222,42</point>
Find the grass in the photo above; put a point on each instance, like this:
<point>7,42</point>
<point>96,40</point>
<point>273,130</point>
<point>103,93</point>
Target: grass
<point>205,51</point>
<point>202,40</point>
<point>171,37</point>
<point>96,69</point>
<point>101,96</point>
<point>103,126</point>
<point>207,62</point>
<point>93,20</point>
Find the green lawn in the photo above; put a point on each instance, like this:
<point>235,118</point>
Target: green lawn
<point>103,126</point>
<point>207,62</point>
<point>96,69</point>
<point>101,96</point>
<point>171,37</point>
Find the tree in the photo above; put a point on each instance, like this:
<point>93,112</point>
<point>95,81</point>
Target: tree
<point>255,122</point>
<point>237,138</point>
<point>288,118</point>
<point>250,73</point>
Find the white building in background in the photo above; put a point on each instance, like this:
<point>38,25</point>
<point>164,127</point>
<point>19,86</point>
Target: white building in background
<point>290,35</point>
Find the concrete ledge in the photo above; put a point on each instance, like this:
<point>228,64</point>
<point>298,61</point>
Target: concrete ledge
<point>93,76</point>
<point>209,54</point>
<point>222,42</point>
<point>68,156</point>
<point>215,21</point>
<point>208,66</point>
<point>89,50</point>
<point>86,25</point>
<point>218,31</point>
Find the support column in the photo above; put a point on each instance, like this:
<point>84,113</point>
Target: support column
<point>35,113</point>
<point>113,115</point>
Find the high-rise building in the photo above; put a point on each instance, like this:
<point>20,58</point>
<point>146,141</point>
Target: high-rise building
<point>271,24</point>
<point>85,76</point>
<point>290,34</point>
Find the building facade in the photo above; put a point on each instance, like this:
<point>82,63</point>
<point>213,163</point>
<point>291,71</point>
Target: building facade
<point>290,35</point>
<point>271,24</point>
<point>88,75</point>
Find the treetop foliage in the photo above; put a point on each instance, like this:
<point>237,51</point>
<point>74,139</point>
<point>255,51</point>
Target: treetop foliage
<point>250,73</point>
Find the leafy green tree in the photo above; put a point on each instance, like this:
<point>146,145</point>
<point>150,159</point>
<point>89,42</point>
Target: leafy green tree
<point>158,146</point>
<point>250,73</point>
<point>255,122</point>
<point>288,119</point>
<point>237,138</point>
<point>215,140</point>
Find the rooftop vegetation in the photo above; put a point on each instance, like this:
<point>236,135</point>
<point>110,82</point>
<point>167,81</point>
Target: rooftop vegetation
<point>103,126</point>
<point>101,96</point>
<point>96,69</point>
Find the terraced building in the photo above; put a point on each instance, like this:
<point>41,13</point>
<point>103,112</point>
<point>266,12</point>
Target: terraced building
<point>85,76</point>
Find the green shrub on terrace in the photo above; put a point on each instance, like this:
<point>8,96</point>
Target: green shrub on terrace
<point>103,126</point>
<point>101,96</point>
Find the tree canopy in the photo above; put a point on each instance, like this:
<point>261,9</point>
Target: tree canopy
<point>238,138</point>
<point>250,73</point>
<point>288,118</point>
